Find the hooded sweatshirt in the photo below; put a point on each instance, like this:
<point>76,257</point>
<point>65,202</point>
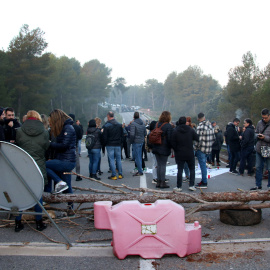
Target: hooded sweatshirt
<point>182,142</point>
<point>34,139</point>
<point>137,131</point>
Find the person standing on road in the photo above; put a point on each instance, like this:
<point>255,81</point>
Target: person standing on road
<point>163,150</point>
<point>154,160</point>
<point>34,139</point>
<point>216,147</point>
<point>78,123</point>
<point>94,153</point>
<point>263,141</point>
<point>137,135</point>
<point>234,143</point>
<point>79,135</point>
<point>204,147</point>
<point>247,147</point>
<point>112,137</point>
<point>182,143</point>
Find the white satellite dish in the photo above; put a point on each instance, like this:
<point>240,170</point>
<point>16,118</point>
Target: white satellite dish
<point>18,170</point>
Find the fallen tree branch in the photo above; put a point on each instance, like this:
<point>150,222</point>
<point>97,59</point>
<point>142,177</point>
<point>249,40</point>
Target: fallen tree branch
<point>169,195</point>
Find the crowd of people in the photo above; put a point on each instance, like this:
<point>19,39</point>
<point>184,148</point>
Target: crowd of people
<point>54,142</point>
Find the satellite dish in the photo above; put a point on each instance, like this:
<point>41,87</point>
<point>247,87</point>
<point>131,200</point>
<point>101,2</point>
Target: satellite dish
<point>19,172</point>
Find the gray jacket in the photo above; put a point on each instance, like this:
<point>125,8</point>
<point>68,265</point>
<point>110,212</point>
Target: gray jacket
<point>137,131</point>
<point>266,141</point>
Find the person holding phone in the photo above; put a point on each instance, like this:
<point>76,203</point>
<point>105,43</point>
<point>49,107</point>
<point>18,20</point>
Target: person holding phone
<point>263,139</point>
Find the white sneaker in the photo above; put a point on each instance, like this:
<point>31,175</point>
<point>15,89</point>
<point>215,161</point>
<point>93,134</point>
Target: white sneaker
<point>60,187</point>
<point>177,189</point>
<point>192,188</point>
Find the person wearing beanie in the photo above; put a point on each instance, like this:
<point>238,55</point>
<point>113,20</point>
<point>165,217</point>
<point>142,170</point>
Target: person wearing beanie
<point>94,153</point>
<point>182,142</point>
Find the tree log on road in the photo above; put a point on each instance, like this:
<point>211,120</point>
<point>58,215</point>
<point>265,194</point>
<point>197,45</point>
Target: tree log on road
<point>165,195</point>
<point>204,201</point>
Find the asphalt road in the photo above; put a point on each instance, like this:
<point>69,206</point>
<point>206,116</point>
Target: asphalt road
<point>250,249</point>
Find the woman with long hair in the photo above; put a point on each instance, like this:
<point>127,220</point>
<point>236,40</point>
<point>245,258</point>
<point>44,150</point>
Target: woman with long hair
<point>247,147</point>
<point>34,139</point>
<point>64,147</point>
<point>163,150</point>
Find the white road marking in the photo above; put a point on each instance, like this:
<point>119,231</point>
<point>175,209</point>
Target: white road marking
<point>145,264</point>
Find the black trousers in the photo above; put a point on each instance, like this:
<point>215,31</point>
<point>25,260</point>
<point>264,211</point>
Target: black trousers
<point>191,166</point>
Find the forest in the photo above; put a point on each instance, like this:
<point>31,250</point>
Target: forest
<point>33,79</point>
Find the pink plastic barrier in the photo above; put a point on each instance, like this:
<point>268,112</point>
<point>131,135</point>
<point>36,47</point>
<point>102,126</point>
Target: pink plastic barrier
<point>148,230</point>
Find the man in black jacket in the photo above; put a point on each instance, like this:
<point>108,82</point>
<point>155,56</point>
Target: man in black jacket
<point>234,143</point>
<point>112,138</point>
<point>10,125</point>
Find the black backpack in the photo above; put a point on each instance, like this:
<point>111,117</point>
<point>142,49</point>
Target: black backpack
<point>90,140</point>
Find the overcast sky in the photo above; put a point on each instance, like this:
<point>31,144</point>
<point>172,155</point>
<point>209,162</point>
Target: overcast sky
<point>145,39</point>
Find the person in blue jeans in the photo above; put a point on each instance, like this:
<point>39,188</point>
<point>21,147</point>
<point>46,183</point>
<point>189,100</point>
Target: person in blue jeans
<point>112,138</point>
<point>94,153</point>
<point>64,148</point>
<point>204,147</point>
<point>263,140</point>
<point>137,136</point>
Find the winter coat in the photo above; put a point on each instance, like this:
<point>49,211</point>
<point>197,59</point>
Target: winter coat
<point>2,133</point>
<point>206,137</point>
<point>97,133</point>
<point>34,139</point>
<point>112,133</point>
<point>65,143</point>
<point>164,148</point>
<point>248,137</point>
<point>78,132</point>
<point>219,141</point>
<point>137,131</point>
<point>232,138</point>
<point>266,141</point>
<point>10,132</point>
<point>182,142</point>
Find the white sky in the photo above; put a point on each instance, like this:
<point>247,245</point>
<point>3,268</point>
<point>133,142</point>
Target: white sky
<point>145,39</point>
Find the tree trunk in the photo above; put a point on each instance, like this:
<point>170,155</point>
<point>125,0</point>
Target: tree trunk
<point>229,197</point>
